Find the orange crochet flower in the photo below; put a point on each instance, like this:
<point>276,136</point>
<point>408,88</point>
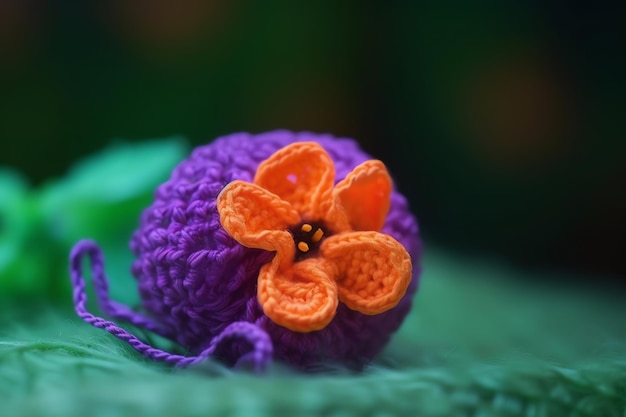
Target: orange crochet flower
<point>326,237</point>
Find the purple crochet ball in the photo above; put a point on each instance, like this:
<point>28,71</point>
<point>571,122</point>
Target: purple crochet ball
<point>195,280</point>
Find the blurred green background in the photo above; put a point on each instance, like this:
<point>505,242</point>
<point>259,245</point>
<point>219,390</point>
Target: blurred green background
<point>503,122</point>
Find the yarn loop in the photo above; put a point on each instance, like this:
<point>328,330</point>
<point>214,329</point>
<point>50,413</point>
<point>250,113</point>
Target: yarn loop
<point>260,356</point>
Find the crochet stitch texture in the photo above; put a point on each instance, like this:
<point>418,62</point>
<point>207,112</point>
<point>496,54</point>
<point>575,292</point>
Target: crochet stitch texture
<point>325,236</point>
<point>196,281</point>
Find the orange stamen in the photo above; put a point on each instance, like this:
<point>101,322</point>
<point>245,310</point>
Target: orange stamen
<point>303,247</point>
<point>317,236</point>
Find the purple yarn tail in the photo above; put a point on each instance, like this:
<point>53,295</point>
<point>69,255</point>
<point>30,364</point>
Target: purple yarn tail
<point>257,338</point>
<point>109,307</point>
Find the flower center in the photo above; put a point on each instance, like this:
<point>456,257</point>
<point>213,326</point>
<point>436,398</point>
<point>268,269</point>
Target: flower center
<point>307,238</point>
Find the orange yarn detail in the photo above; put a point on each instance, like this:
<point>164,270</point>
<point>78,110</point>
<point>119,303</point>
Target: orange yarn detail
<point>365,195</point>
<point>366,270</point>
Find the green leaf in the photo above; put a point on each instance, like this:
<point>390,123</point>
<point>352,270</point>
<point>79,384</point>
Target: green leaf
<point>104,194</point>
<point>102,198</point>
<point>12,222</point>
<point>23,263</point>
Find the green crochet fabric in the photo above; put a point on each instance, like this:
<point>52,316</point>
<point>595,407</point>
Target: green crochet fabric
<point>478,342</point>
<point>482,339</point>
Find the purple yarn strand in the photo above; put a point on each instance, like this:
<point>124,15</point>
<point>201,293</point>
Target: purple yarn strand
<point>259,340</point>
<point>109,307</point>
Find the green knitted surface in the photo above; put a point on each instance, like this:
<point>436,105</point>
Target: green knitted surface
<point>478,342</point>
<point>483,339</point>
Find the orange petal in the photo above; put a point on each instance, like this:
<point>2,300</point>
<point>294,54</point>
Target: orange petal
<point>256,218</point>
<point>374,270</point>
<point>301,173</point>
<point>302,298</point>
<point>365,195</point>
